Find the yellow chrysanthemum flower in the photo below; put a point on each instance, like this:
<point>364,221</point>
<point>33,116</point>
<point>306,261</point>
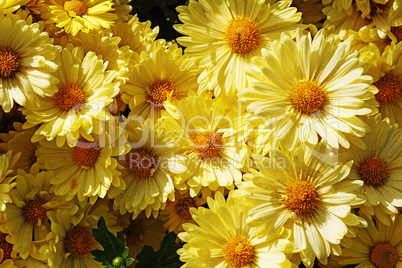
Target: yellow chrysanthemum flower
<point>70,240</point>
<point>222,238</point>
<point>158,81</point>
<point>79,15</point>
<point>27,216</point>
<point>386,70</point>
<point>28,60</point>
<point>147,169</point>
<point>77,109</point>
<point>309,90</point>
<point>177,212</point>
<point>223,36</point>
<point>305,191</point>
<point>379,168</point>
<point>138,36</point>
<point>7,163</point>
<point>107,47</point>
<point>206,133</point>
<point>378,245</point>
<point>87,169</point>
<point>19,140</point>
<point>352,15</point>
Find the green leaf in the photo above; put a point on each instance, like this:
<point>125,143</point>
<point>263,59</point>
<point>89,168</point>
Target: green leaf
<point>129,261</point>
<point>165,257</point>
<point>113,246</point>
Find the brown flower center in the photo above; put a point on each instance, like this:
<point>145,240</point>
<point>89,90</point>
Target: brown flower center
<point>75,6</point>
<point>160,91</point>
<point>207,145</point>
<point>9,62</point>
<point>78,242</point>
<point>70,97</point>
<point>238,252</point>
<point>243,36</point>
<point>383,255</point>
<point>142,163</point>
<point>86,153</point>
<point>389,89</point>
<point>307,97</point>
<point>373,171</point>
<point>33,210</point>
<point>6,247</point>
<point>301,198</point>
<point>183,207</point>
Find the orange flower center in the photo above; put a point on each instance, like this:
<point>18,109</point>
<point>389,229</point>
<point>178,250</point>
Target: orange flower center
<point>183,207</point>
<point>142,163</point>
<point>237,252</point>
<point>383,255</point>
<point>6,247</point>
<point>243,36</point>
<point>69,97</point>
<point>301,198</point>
<point>76,6</point>
<point>9,62</point>
<point>160,91</point>
<point>307,97</point>
<point>373,171</point>
<point>207,145</point>
<point>33,210</point>
<point>134,232</point>
<point>86,153</point>
<point>78,242</point>
<point>389,89</point>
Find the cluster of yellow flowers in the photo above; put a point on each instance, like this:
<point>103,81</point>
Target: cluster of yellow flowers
<point>272,140</point>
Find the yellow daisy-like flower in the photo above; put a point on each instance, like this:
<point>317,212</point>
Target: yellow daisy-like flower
<point>310,89</point>
<point>19,140</point>
<point>87,169</point>
<point>223,36</point>
<point>78,107</point>
<point>9,6</point>
<point>27,216</point>
<point>177,212</point>
<point>142,231</point>
<point>386,70</point>
<point>206,133</point>
<point>158,81</point>
<point>138,36</point>
<point>147,169</point>
<point>351,15</point>
<point>70,239</point>
<point>79,15</point>
<point>377,246</point>
<point>28,60</point>
<point>379,168</point>
<point>105,46</point>
<point>305,191</point>
<point>222,238</point>
<point>7,163</point>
